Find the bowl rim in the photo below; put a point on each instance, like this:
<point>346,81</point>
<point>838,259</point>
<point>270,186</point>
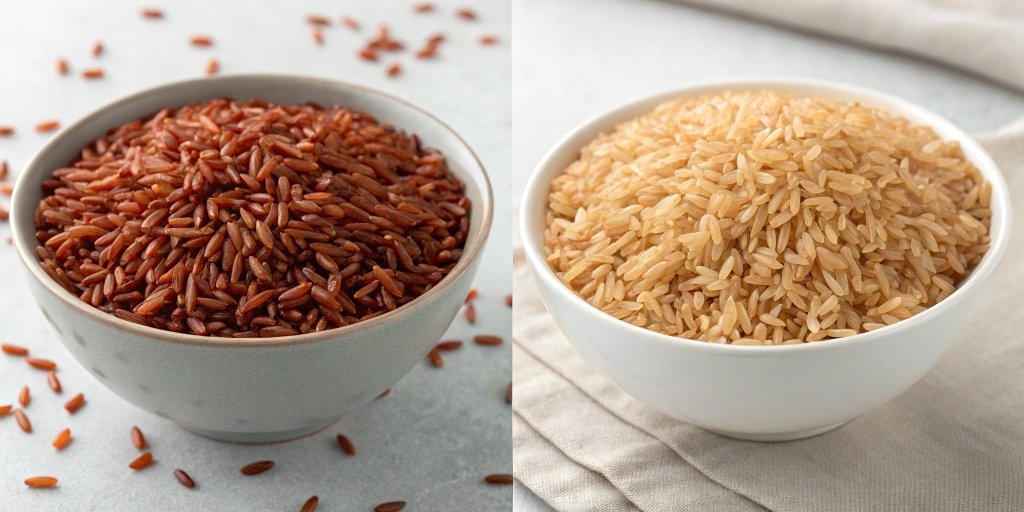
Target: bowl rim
<point>471,252</point>
<point>536,192</point>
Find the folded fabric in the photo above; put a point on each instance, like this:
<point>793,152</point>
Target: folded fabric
<point>985,37</point>
<point>955,441</point>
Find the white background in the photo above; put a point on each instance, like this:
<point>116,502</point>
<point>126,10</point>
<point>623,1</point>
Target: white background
<point>429,443</point>
<point>573,59</point>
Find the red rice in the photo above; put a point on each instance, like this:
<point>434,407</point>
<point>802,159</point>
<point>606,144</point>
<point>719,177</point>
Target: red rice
<point>435,358</point>
<point>499,479</point>
<point>449,345</point>
<point>201,40</point>
<point>466,13</point>
<point>76,403</point>
<point>138,439</point>
<point>93,73</point>
<point>25,396</point>
<point>487,339</point>
<point>350,22</point>
<point>470,314</point>
<point>142,461</point>
<point>310,504</point>
<point>152,13</point>
<point>317,20</point>
<point>97,49</point>
<point>4,410</point>
<point>62,66</point>
<point>13,350</point>
<point>47,126</point>
<point>346,445</point>
<point>54,382</point>
<point>212,67</point>
<point>488,40</point>
<point>424,7</point>
<point>184,479</point>
<point>360,217</point>
<point>62,439</point>
<point>391,506</point>
<point>23,421</point>
<point>41,481</point>
<point>394,70</point>
<point>41,364</point>
<point>257,467</point>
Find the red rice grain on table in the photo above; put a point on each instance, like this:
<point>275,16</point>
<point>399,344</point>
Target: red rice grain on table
<point>499,479</point>
<point>350,22</point>
<point>97,49</point>
<point>141,461</point>
<point>466,13</point>
<point>54,382</point>
<point>62,439</point>
<point>25,396</point>
<point>449,345</point>
<point>318,37</point>
<point>201,41</point>
<point>138,440</point>
<point>47,126</point>
<point>14,350</point>
<point>41,482</point>
<point>184,479</point>
<point>488,40</point>
<point>257,467</point>
<point>424,7</point>
<point>391,506</point>
<point>368,54</point>
<point>76,403</point>
<point>317,20</point>
<point>487,339</point>
<point>360,219</point>
<point>470,314</point>
<point>6,189</point>
<point>471,295</point>
<point>151,13</point>
<point>310,504</point>
<point>23,421</point>
<point>4,169</point>
<point>5,409</point>
<point>41,364</point>
<point>6,131</point>
<point>62,66</point>
<point>93,73</point>
<point>435,358</point>
<point>346,445</point>
<point>212,67</point>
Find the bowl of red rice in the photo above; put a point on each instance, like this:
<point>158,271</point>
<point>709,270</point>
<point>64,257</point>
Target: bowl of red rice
<point>252,256</point>
<point>766,259</point>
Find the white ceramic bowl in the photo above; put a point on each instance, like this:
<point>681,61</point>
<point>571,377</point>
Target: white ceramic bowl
<point>760,393</point>
<point>253,389</point>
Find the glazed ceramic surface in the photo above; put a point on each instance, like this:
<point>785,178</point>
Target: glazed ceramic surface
<point>760,393</point>
<point>252,389</point>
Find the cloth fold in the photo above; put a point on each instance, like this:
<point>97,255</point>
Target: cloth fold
<point>954,441</point>
<point>984,37</point>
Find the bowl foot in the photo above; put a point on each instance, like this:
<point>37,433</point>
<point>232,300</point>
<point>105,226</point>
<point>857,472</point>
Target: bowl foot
<point>772,438</point>
<point>259,437</point>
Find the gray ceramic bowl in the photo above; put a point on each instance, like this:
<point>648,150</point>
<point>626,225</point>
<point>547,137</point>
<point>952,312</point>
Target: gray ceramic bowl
<point>252,389</point>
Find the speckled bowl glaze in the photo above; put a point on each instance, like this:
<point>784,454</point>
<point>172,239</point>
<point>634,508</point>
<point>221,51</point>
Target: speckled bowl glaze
<point>253,389</point>
<point>749,392</point>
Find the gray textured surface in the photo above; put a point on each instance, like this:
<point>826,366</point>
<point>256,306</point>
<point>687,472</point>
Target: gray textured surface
<point>574,59</point>
<point>430,442</point>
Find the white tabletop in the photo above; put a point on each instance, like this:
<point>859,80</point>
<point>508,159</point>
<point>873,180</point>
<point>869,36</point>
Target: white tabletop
<point>575,59</point>
<point>439,433</point>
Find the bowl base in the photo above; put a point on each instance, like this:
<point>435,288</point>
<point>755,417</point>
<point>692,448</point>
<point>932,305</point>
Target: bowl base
<point>774,438</point>
<point>259,437</point>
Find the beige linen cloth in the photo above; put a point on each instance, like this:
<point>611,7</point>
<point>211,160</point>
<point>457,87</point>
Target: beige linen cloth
<point>955,441</point>
<point>985,37</point>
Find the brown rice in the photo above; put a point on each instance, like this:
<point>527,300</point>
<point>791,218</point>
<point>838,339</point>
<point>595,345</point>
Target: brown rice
<point>764,219</point>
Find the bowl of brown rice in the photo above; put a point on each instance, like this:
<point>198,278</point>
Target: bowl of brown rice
<point>252,256</point>
<point>766,259</point>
